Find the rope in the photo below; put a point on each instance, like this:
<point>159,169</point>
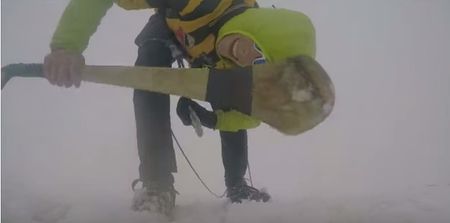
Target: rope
<point>194,170</point>
<point>249,173</point>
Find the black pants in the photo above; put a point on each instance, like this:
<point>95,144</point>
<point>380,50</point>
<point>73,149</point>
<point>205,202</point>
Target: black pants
<point>155,146</point>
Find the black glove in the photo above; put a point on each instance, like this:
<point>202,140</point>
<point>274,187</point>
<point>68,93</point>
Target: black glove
<point>183,110</point>
<point>207,118</point>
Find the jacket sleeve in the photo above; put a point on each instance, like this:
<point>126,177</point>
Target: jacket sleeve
<point>233,121</point>
<point>78,23</point>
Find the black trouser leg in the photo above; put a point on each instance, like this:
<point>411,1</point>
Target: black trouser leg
<point>234,152</point>
<point>234,156</point>
<point>152,110</point>
<point>234,144</point>
<point>154,140</point>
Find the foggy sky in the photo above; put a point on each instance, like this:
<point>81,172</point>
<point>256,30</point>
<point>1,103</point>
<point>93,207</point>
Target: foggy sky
<point>388,133</point>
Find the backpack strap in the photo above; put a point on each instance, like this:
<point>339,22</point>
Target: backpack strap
<point>212,58</point>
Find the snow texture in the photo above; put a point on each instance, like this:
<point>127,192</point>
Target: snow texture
<point>311,210</point>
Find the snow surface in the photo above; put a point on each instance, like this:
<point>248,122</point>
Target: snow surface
<point>69,155</point>
<point>97,208</point>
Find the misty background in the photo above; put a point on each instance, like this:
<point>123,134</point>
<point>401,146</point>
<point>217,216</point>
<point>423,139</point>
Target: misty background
<point>69,155</point>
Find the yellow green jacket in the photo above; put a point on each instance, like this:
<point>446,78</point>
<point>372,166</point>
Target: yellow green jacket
<point>280,33</point>
<point>186,18</point>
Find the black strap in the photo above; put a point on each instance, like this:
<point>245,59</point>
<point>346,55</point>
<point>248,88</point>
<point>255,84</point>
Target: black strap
<point>230,89</point>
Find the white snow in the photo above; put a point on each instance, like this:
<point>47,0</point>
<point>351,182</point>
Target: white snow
<point>69,155</point>
<point>96,208</point>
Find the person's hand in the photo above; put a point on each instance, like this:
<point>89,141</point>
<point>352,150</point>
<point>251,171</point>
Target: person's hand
<point>63,68</point>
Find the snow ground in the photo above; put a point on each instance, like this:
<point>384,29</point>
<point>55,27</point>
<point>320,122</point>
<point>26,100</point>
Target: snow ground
<point>312,210</point>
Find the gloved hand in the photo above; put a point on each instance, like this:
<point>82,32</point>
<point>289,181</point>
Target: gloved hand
<point>64,68</point>
<point>207,118</point>
<point>183,110</point>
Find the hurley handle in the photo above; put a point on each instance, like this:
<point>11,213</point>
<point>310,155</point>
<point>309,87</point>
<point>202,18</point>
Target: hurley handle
<point>21,70</point>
